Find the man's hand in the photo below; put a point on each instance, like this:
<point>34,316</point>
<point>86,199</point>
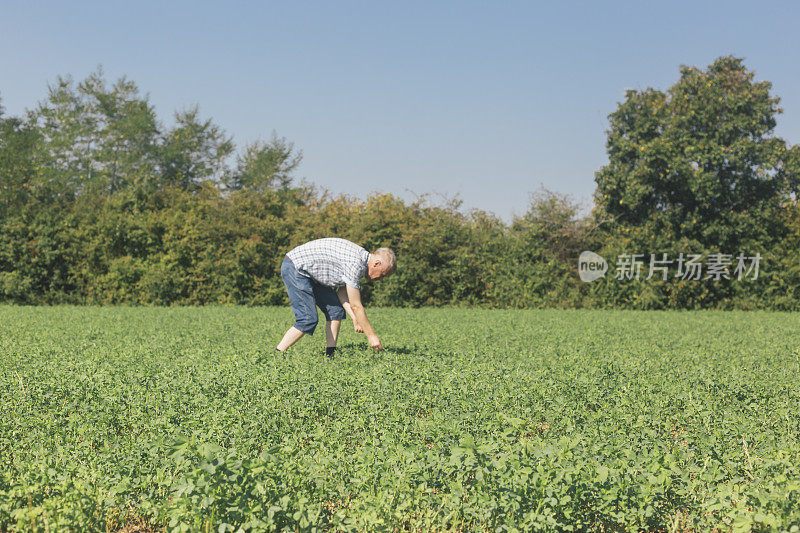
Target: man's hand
<point>375,342</point>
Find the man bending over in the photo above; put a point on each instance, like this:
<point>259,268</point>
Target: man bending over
<point>327,272</point>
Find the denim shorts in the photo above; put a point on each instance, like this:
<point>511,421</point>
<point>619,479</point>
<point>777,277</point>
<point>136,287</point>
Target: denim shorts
<point>304,293</point>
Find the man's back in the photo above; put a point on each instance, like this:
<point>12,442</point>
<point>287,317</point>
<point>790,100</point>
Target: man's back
<point>331,261</point>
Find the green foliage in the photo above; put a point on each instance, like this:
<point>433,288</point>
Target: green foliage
<point>18,171</point>
<point>193,151</point>
<point>185,419</point>
<point>265,166</point>
<point>538,265</point>
<point>700,161</point>
<point>101,203</point>
<point>698,169</point>
<point>94,138</point>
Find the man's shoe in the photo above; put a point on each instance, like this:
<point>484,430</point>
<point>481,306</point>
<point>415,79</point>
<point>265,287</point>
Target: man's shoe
<point>330,352</point>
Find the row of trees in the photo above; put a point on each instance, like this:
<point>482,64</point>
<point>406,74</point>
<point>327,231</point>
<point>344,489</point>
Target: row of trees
<point>101,203</point>
<point>92,139</point>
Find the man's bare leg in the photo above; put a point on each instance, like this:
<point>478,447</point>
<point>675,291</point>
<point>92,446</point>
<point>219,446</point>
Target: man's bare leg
<point>291,337</point>
<point>332,332</point>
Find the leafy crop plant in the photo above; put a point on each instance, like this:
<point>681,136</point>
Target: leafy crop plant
<point>185,419</point>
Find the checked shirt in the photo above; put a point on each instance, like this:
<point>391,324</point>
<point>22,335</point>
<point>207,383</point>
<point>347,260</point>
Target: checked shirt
<point>332,262</point>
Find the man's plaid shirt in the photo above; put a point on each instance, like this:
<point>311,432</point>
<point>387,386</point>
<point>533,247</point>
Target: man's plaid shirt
<point>332,262</point>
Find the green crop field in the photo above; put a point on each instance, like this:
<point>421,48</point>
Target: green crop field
<point>142,419</point>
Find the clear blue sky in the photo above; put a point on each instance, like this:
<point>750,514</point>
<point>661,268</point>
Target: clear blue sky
<point>487,100</point>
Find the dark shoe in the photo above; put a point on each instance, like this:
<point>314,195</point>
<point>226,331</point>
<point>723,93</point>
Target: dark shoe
<point>330,352</point>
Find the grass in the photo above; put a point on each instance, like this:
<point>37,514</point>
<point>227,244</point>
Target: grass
<point>129,418</point>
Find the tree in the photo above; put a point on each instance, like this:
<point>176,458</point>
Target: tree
<point>193,151</point>
<point>700,161</point>
<point>265,166</point>
<point>556,224</point>
<point>126,132</point>
<point>18,175</point>
<point>95,137</point>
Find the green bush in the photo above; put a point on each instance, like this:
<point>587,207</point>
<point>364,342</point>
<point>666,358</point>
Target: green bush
<point>129,211</point>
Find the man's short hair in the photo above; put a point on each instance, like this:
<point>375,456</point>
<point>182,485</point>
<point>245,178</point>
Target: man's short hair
<point>388,256</point>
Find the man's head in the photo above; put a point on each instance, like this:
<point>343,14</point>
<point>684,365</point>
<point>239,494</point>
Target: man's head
<point>382,262</point>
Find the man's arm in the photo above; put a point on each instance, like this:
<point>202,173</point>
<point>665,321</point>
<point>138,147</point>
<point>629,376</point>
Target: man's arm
<point>354,297</point>
<point>342,294</point>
